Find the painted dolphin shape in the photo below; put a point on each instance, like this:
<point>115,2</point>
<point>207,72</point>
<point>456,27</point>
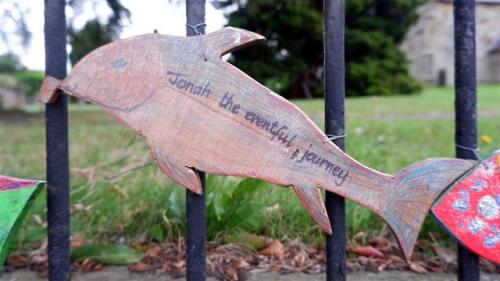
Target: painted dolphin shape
<point>197,111</point>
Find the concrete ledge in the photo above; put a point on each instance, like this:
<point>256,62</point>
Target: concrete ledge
<point>121,273</point>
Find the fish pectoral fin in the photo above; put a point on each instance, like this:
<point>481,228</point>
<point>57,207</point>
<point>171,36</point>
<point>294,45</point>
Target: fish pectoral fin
<point>230,39</point>
<point>185,176</point>
<point>310,198</point>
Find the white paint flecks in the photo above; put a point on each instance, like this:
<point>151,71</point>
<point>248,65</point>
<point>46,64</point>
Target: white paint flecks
<point>488,207</point>
<point>462,203</point>
<point>476,225</point>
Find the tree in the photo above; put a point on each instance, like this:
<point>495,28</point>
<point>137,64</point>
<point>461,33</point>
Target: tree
<point>96,32</point>
<point>90,37</point>
<point>14,74</point>
<point>290,62</point>
<point>10,63</point>
<point>13,23</point>
<point>29,81</point>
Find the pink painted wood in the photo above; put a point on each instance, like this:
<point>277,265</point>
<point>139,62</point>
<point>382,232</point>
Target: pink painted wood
<point>9,183</point>
<point>470,209</point>
<point>201,112</point>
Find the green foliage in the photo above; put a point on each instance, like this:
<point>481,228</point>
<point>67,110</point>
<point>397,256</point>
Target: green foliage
<point>233,206</point>
<point>14,74</point>
<point>96,32</point>
<point>290,62</point>
<point>8,80</point>
<point>291,55</point>
<point>29,81</point>
<point>91,36</point>
<point>10,63</point>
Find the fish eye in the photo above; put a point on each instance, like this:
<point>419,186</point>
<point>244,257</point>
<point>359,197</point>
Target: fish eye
<point>118,63</point>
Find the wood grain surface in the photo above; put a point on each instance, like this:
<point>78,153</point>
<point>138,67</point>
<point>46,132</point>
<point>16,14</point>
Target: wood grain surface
<point>198,111</point>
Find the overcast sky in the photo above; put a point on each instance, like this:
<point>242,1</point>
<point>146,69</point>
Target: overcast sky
<point>166,17</point>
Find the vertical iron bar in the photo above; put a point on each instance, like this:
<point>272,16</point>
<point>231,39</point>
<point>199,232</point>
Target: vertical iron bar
<point>56,118</point>
<point>195,204</point>
<point>334,67</point>
<point>465,108</point>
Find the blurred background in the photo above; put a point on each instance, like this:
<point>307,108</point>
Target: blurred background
<point>399,73</point>
<point>408,41</point>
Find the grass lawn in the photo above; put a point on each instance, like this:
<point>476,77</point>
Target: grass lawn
<point>118,194</point>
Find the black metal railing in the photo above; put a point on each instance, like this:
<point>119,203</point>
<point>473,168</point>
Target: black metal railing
<point>57,136</point>
<point>195,204</point>
<point>56,118</point>
<point>465,108</point>
<point>334,68</point>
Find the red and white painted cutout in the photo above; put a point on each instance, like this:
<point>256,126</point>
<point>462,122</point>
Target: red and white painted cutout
<point>9,183</point>
<point>470,209</point>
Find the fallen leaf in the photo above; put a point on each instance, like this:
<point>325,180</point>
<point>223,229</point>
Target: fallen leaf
<point>179,264</point>
<point>39,258</point>
<point>275,249</point>
<point>395,258</point>
<point>139,267</point>
<point>108,254</point>
<point>154,252</point>
<point>252,241</point>
<point>299,259</point>
<point>415,267</point>
<point>445,255</point>
<point>17,260</point>
<point>380,242</point>
<point>77,241</point>
<point>366,251</point>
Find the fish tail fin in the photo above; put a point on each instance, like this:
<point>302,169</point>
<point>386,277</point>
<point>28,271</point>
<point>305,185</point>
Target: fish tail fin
<point>310,198</point>
<point>413,191</point>
<point>49,91</point>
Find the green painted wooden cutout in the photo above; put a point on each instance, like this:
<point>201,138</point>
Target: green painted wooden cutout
<point>16,197</point>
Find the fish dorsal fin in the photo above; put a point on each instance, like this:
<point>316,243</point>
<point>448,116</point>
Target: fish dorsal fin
<point>229,39</point>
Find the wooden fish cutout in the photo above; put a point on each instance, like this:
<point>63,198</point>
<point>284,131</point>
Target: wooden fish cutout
<point>16,197</point>
<point>470,209</point>
<point>197,111</point>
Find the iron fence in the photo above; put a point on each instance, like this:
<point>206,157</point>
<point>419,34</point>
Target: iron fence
<point>333,12</point>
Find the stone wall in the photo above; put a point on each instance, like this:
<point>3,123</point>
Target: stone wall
<point>429,43</point>
<point>11,98</point>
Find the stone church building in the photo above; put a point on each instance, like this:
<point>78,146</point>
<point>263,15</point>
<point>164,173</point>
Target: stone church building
<point>429,43</point>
